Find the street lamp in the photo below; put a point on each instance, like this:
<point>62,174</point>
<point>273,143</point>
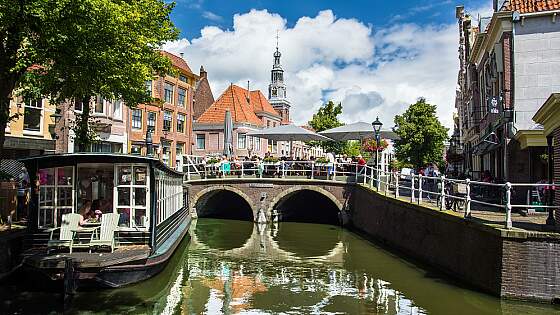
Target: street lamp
<point>56,117</point>
<point>377,129</point>
<point>149,141</point>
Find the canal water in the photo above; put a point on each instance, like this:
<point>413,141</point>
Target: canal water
<point>236,267</point>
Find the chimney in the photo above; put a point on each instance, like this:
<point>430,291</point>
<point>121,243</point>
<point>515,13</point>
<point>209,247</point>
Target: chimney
<point>202,73</point>
<point>248,93</point>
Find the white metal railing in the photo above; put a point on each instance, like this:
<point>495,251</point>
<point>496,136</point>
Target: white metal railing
<point>445,192</point>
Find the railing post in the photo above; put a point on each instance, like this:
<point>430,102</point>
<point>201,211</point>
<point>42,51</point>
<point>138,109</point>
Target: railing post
<point>283,169</point>
<point>386,182</point>
<point>508,222</point>
<point>365,174</point>
<point>371,178</point>
<point>420,190</point>
<point>356,174</point>
<point>189,172</point>
<point>442,191</point>
<point>312,169</point>
<point>412,180</point>
<point>378,178</point>
<point>397,185</point>
<point>242,168</point>
<point>334,171</point>
<point>468,199</point>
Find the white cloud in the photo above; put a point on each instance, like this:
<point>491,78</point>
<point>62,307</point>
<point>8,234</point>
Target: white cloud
<point>211,16</point>
<point>372,72</point>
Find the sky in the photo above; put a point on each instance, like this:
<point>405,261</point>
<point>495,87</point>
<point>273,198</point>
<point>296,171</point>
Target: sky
<point>376,57</point>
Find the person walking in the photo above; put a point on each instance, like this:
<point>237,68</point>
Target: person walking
<point>22,194</point>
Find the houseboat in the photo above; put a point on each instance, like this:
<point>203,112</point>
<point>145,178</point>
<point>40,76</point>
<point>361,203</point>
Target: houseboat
<point>144,200</point>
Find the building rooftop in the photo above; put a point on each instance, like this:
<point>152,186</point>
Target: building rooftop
<point>236,100</point>
<point>530,6</point>
<point>177,61</point>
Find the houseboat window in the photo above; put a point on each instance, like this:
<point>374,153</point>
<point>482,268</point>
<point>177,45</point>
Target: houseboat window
<point>169,194</point>
<point>95,183</point>
<point>55,195</point>
<point>132,197</point>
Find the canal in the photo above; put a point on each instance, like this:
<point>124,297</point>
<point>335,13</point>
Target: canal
<point>232,267</point>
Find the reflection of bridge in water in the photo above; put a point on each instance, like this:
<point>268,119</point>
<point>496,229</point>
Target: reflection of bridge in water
<point>272,241</point>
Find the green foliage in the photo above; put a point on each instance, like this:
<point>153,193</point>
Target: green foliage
<point>421,135</point>
<point>213,161</point>
<point>270,159</point>
<point>327,118</point>
<point>322,160</point>
<point>353,148</point>
<point>82,48</point>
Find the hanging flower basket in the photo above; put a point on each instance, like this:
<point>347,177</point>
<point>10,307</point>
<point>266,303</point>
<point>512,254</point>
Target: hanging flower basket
<point>370,145</point>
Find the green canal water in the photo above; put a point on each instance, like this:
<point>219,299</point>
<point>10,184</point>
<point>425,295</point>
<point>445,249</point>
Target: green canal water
<point>236,267</point>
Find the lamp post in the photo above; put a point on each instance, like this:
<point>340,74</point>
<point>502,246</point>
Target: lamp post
<point>56,117</point>
<point>377,129</point>
<point>149,141</point>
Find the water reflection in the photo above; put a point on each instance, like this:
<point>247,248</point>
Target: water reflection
<point>232,267</point>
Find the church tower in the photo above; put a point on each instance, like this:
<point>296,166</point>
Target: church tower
<point>277,88</point>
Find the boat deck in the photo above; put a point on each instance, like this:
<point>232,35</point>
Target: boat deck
<point>37,257</point>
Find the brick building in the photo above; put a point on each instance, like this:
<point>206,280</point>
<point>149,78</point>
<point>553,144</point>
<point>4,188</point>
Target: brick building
<point>203,97</point>
<point>249,110</point>
<point>33,132</point>
<point>507,64</point>
<point>170,123</point>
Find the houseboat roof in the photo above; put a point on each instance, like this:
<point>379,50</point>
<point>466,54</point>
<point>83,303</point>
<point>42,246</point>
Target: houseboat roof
<point>94,157</point>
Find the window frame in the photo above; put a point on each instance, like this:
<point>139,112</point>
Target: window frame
<point>182,97</point>
<point>166,92</point>
<point>148,125</point>
<point>201,136</point>
<point>183,120</point>
<point>135,120</point>
<point>55,208</point>
<point>131,224</point>
<point>41,110</point>
<point>169,128</point>
<point>242,141</point>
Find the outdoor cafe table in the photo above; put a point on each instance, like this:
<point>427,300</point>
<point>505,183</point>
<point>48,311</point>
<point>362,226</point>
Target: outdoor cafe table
<point>87,228</point>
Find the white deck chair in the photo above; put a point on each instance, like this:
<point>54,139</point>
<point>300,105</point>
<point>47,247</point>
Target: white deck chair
<point>105,234</point>
<point>69,222</point>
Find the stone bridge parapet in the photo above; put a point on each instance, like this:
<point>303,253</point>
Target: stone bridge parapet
<point>264,194</point>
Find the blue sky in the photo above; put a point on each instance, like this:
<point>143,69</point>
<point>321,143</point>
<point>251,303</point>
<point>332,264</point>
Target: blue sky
<point>190,16</point>
<point>376,57</point>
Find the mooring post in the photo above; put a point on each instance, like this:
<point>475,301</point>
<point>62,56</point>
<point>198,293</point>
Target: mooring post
<point>508,222</point>
<point>468,199</point>
<point>69,282</point>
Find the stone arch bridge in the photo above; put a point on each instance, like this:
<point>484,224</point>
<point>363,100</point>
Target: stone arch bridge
<point>264,197</point>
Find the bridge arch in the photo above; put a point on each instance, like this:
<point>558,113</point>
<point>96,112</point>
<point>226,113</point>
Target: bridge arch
<point>202,198</point>
<point>289,204</point>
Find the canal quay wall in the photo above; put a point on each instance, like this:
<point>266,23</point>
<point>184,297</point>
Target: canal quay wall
<point>508,263</point>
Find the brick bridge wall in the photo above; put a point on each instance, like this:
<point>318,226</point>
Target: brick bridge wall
<point>266,193</point>
<point>512,264</point>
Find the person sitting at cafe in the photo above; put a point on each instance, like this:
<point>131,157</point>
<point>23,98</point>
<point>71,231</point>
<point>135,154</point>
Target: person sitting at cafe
<point>86,212</point>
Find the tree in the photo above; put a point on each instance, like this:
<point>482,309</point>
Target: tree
<point>72,50</point>
<point>421,135</point>
<point>327,118</point>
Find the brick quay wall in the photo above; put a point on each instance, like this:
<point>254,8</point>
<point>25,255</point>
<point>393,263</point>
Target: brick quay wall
<point>511,264</point>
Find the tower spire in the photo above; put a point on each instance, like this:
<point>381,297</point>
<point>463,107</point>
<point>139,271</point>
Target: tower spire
<point>277,40</point>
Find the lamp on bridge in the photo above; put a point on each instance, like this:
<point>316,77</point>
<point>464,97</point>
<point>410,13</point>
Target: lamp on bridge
<point>377,129</point>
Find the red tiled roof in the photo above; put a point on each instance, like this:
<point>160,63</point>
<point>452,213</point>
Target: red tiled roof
<point>261,104</point>
<point>233,99</point>
<point>177,61</point>
<point>530,6</point>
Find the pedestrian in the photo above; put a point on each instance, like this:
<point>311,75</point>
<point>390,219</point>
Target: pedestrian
<point>22,194</point>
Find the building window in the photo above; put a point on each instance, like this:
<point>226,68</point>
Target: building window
<point>32,115</point>
<point>241,141</point>
<point>167,120</point>
<point>168,93</point>
<point>180,123</point>
<point>99,107</point>
<point>135,149</point>
<point>117,109</point>
<point>182,78</point>
<point>132,185</point>
<point>257,144</point>
<point>149,87</point>
<point>78,106</point>
<point>137,118</point>
<point>179,156</point>
<point>152,117</point>
<point>200,141</point>
<point>182,92</point>
<point>166,153</point>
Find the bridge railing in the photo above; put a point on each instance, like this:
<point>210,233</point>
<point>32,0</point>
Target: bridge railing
<point>491,203</point>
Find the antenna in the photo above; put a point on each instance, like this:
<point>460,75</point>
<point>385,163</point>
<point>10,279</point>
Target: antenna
<point>277,37</point>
